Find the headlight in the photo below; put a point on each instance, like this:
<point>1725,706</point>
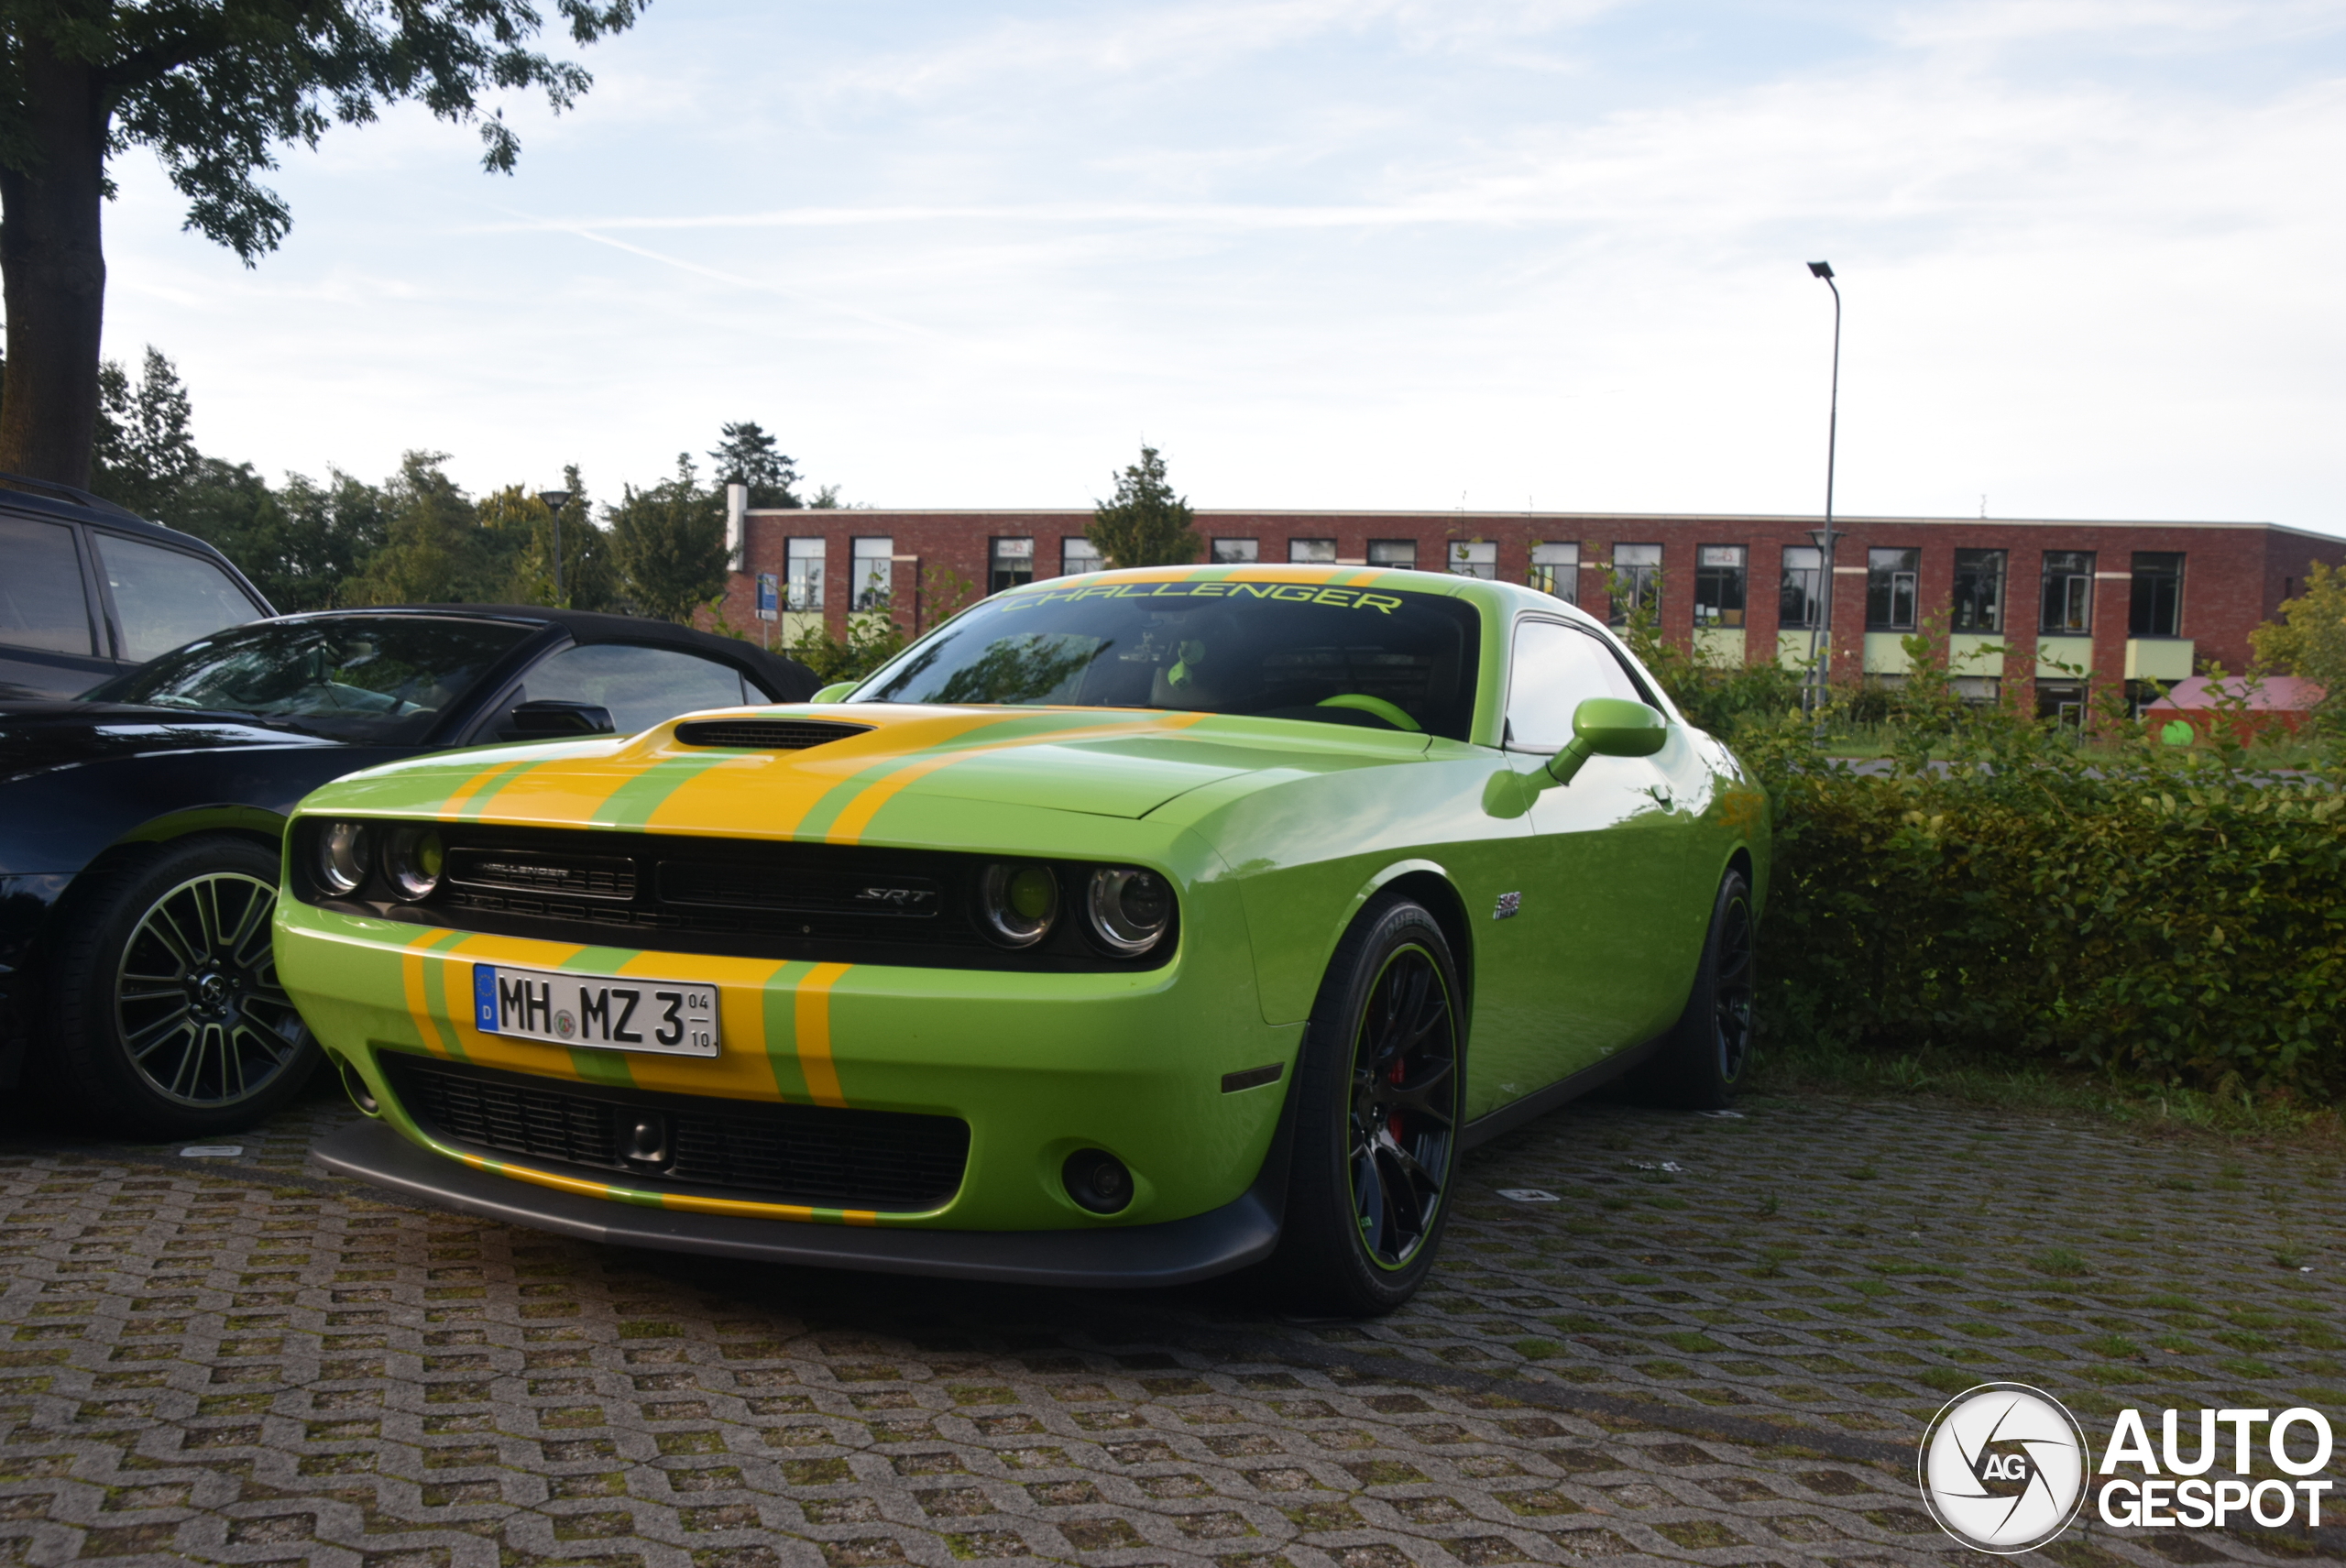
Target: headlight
<point>1018,903</point>
<point>342,855</point>
<point>1128,910</point>
<point>413,861</point>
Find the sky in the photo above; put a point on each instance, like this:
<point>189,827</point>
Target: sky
<point>1414,254</point>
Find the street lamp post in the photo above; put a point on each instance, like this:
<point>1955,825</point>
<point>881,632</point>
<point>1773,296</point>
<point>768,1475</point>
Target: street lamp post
<point>1832,440</point>
<point>555,500</point>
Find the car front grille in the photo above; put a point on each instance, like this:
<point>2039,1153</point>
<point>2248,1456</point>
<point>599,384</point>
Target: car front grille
<point>821,1157</point>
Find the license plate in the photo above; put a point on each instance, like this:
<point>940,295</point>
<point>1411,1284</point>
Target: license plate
<point>607,1012</point>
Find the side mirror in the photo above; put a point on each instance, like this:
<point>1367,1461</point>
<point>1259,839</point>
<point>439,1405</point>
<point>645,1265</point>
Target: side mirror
<point>835,691</point>
<point>548,719</point>
<point>1608,727</point>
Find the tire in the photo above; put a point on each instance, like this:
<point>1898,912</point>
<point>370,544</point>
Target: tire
<point>167,1019</point>
<point>1375,1151</point>
<point>1707,1051</point>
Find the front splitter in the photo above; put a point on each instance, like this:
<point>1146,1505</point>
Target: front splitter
<point>1119,1256</point>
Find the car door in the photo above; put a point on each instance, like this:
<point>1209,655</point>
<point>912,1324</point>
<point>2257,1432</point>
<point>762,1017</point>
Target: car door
<point>163,598</point>
<point>641,685</point>
<point>1605,872</point>
<point>49,642</point>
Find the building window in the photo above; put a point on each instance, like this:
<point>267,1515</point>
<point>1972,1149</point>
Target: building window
<point>2068,593</point>
<point>804,559</point>
<point>1313,550</point>
<point>1555,569</point>
<point>1399,553</point>
<point>1719,586</point>
<point>1799,609</point>
<point>1637,579</point>
<point>1474,558</point>
<point>1979,591</point>
<point>1011,562</point>
<point>1889,589</point>
<point>1079,555</point>
<point>2157,608</point>
<point>1237,552</point>
<point>875,573</point>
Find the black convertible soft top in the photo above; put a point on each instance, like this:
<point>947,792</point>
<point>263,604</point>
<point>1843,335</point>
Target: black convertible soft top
<point>788,679</point>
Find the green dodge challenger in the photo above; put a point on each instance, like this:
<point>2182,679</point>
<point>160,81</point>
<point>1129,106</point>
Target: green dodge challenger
<point>1126,929</point>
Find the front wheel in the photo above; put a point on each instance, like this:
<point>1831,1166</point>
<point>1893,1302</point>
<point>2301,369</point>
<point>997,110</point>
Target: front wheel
<point>169,1020</point>
<point>1376,1120</point>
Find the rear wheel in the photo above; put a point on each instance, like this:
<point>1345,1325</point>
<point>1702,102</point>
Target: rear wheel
<point>168,1019</point>
<point>1376,1123</point>
<point>1705,1055</point>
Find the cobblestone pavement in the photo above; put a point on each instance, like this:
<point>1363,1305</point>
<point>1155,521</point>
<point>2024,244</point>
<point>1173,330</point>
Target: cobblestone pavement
<point>1719,1346</point>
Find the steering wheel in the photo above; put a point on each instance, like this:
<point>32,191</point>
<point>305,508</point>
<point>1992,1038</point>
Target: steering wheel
<point>1376,707</point>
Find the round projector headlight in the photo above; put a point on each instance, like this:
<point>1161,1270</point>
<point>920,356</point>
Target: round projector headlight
<point>1128,909</point>
<point>1018,903</point>
<point>413,861</point>
<point>342,855</point>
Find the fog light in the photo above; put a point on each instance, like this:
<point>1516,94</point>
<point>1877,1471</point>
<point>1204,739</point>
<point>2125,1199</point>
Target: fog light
<point>1097,1180</point>
<point>1018,903</point>
<point>342,855</point>
<point>413,861</point>
<point>356,1087</point>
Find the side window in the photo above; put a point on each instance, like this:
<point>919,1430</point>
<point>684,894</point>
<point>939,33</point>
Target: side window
<point>41,604</point>
<point>1556,668</point>
<point>165,598</point>
<point>642,686</point>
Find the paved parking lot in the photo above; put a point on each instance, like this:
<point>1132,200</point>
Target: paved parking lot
<point>1719,1346</point>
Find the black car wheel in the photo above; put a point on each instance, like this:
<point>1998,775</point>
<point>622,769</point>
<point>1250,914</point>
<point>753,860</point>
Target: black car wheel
<point>170,1021</point>
<point>1702,1058</point>
<point>1377,1119</point>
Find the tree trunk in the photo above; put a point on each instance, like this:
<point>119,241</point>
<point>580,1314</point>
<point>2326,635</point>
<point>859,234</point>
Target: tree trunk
<point>53,266</point>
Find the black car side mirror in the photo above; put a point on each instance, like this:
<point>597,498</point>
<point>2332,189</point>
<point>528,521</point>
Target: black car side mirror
<point>1608,727</point>
<point>548,718</point>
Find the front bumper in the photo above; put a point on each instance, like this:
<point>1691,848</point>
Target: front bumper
<point>1172,1253</point>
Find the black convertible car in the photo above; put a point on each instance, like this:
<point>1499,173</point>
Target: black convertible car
<point>140,823</point>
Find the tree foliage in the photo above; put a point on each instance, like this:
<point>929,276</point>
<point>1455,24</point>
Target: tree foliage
<point>1146,524</point>
<point>748,456</point>
<point>669,543</point>
<point>2309,639</point>
<point>214,87</point>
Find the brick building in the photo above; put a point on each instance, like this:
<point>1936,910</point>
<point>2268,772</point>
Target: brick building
<point>2071,604</point>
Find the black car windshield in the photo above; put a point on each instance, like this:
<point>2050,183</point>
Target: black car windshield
<point>375,679</point>
<point>1371,657</point>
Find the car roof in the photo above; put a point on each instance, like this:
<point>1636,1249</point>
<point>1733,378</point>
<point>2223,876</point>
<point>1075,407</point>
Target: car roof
<point>790,679</point>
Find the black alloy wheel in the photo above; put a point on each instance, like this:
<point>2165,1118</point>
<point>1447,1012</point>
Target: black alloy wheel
<point>168,1018</point>
<point>1702,1058</point>
<point>1376,1110</point>
<point>1404,1111</point>
<point>196,997</point>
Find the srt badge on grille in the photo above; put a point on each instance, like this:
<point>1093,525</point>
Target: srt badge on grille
<point>896,897</point>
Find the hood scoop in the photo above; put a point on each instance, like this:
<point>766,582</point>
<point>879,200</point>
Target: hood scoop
<point>765,734</point>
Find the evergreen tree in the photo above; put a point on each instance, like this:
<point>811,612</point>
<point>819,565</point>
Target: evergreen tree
<point>668,543</point>
<point>435,549</point>
<point>1147,524</point>
<point>145,452</point>
<point>748,456</point>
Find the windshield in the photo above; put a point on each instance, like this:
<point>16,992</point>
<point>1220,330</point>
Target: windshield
<point>378,679</point>
<point>1277,649</point>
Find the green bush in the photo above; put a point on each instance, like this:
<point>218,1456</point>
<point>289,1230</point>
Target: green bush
<point>1997,886</point>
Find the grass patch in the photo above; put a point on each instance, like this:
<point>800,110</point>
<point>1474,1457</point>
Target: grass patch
<point>2060,1262</point>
